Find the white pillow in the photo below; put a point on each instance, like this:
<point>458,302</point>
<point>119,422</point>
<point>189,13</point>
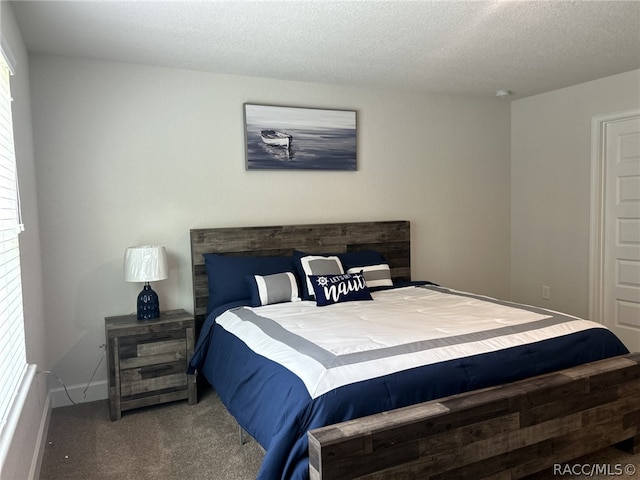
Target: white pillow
<point>276,288</point>
<point>319,265</point>
<point>375,275</point>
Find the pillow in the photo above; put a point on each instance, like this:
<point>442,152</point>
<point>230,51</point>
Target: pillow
<point>375,275</point>
<point>348,260</point>
<point>347,287</point>
<point>276,288</point>
<point>316,265</point>
<point>227,274</point>
<point>361,259</point>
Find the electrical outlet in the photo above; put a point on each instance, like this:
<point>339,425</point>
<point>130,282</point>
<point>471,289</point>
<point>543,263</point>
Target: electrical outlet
<point>546,292</point>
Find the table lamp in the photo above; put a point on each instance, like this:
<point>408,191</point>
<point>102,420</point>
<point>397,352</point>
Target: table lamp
<point>146,264</point>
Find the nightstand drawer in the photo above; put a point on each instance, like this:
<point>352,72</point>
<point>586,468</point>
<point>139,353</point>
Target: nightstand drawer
<point>153,348</point>
<point>153,379</point>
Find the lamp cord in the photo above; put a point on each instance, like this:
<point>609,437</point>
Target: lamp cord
<point>84,392</point>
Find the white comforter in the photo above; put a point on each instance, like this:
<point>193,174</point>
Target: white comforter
<point>328,347</point>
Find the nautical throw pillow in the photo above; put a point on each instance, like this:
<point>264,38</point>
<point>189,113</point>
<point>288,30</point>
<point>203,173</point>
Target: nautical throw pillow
<point>346,287</point>
<point>375,275</point>
<point>276,288</point>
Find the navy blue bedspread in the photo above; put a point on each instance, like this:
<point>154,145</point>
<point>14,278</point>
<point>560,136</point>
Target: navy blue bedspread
<point>274,407</point>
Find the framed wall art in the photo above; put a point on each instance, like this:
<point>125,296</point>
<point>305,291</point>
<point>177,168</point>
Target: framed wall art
<point>295,138</point>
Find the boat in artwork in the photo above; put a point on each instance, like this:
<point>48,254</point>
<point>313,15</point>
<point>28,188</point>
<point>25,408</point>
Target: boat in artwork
<point>276,137</point>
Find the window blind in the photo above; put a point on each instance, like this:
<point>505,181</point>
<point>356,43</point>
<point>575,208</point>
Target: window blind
<point>13,364</point>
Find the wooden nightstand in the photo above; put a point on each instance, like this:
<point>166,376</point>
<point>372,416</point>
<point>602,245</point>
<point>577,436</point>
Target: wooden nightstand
<point>147,360</point>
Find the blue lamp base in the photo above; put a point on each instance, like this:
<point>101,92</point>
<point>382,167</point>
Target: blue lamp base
<point>148,304</point>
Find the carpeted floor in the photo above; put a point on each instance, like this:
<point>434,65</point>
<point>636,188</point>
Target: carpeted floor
<point>164,442</point>
<point>182,442</point>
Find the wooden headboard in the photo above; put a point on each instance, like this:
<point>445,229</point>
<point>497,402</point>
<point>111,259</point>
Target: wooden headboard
<point>391,239</point>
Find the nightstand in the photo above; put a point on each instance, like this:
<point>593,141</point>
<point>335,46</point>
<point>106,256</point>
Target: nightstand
<point>147,360</point>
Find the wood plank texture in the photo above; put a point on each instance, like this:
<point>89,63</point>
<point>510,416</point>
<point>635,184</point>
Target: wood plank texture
<point>509,431</point>
<point>390,238</point>
<point>147,360</point>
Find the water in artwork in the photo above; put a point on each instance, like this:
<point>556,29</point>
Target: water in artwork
<point>310,149</point>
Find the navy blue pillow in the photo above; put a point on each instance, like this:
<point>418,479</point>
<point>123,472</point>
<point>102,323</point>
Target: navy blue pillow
<point>347,287</point>
<point>365,258</point>
<point>227,275</point>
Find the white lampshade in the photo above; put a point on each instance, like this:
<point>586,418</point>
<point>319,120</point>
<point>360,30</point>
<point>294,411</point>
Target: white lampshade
<point>147,263</point>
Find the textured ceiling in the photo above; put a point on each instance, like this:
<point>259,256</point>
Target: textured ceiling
<point>452,47</point>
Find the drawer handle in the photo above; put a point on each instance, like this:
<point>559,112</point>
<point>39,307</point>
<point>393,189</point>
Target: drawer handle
<point>154,368</point>
<point>156,339</point>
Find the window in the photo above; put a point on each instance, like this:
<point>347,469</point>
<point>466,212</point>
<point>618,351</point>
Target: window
<point>13,364</point>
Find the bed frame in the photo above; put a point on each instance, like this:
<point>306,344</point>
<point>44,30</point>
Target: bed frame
<point>503,432</point>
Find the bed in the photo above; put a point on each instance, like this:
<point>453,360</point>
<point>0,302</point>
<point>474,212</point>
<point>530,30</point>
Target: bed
<point>342,384</point>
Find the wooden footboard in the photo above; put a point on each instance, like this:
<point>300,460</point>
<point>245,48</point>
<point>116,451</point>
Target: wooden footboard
<point>504,432</point>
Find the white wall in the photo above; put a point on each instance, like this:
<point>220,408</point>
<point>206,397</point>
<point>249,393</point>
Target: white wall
<point>22,460</point>
<point>130,154</point>
<point>550,185</point>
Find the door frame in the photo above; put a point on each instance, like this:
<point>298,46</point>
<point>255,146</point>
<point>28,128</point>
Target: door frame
<point>596,244</point>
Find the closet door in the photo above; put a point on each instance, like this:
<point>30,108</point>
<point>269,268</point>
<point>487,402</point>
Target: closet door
<point>621,235</point>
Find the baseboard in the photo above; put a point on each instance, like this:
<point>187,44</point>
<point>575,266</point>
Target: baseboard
<point>36,461</point>
<point>96,391</point>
